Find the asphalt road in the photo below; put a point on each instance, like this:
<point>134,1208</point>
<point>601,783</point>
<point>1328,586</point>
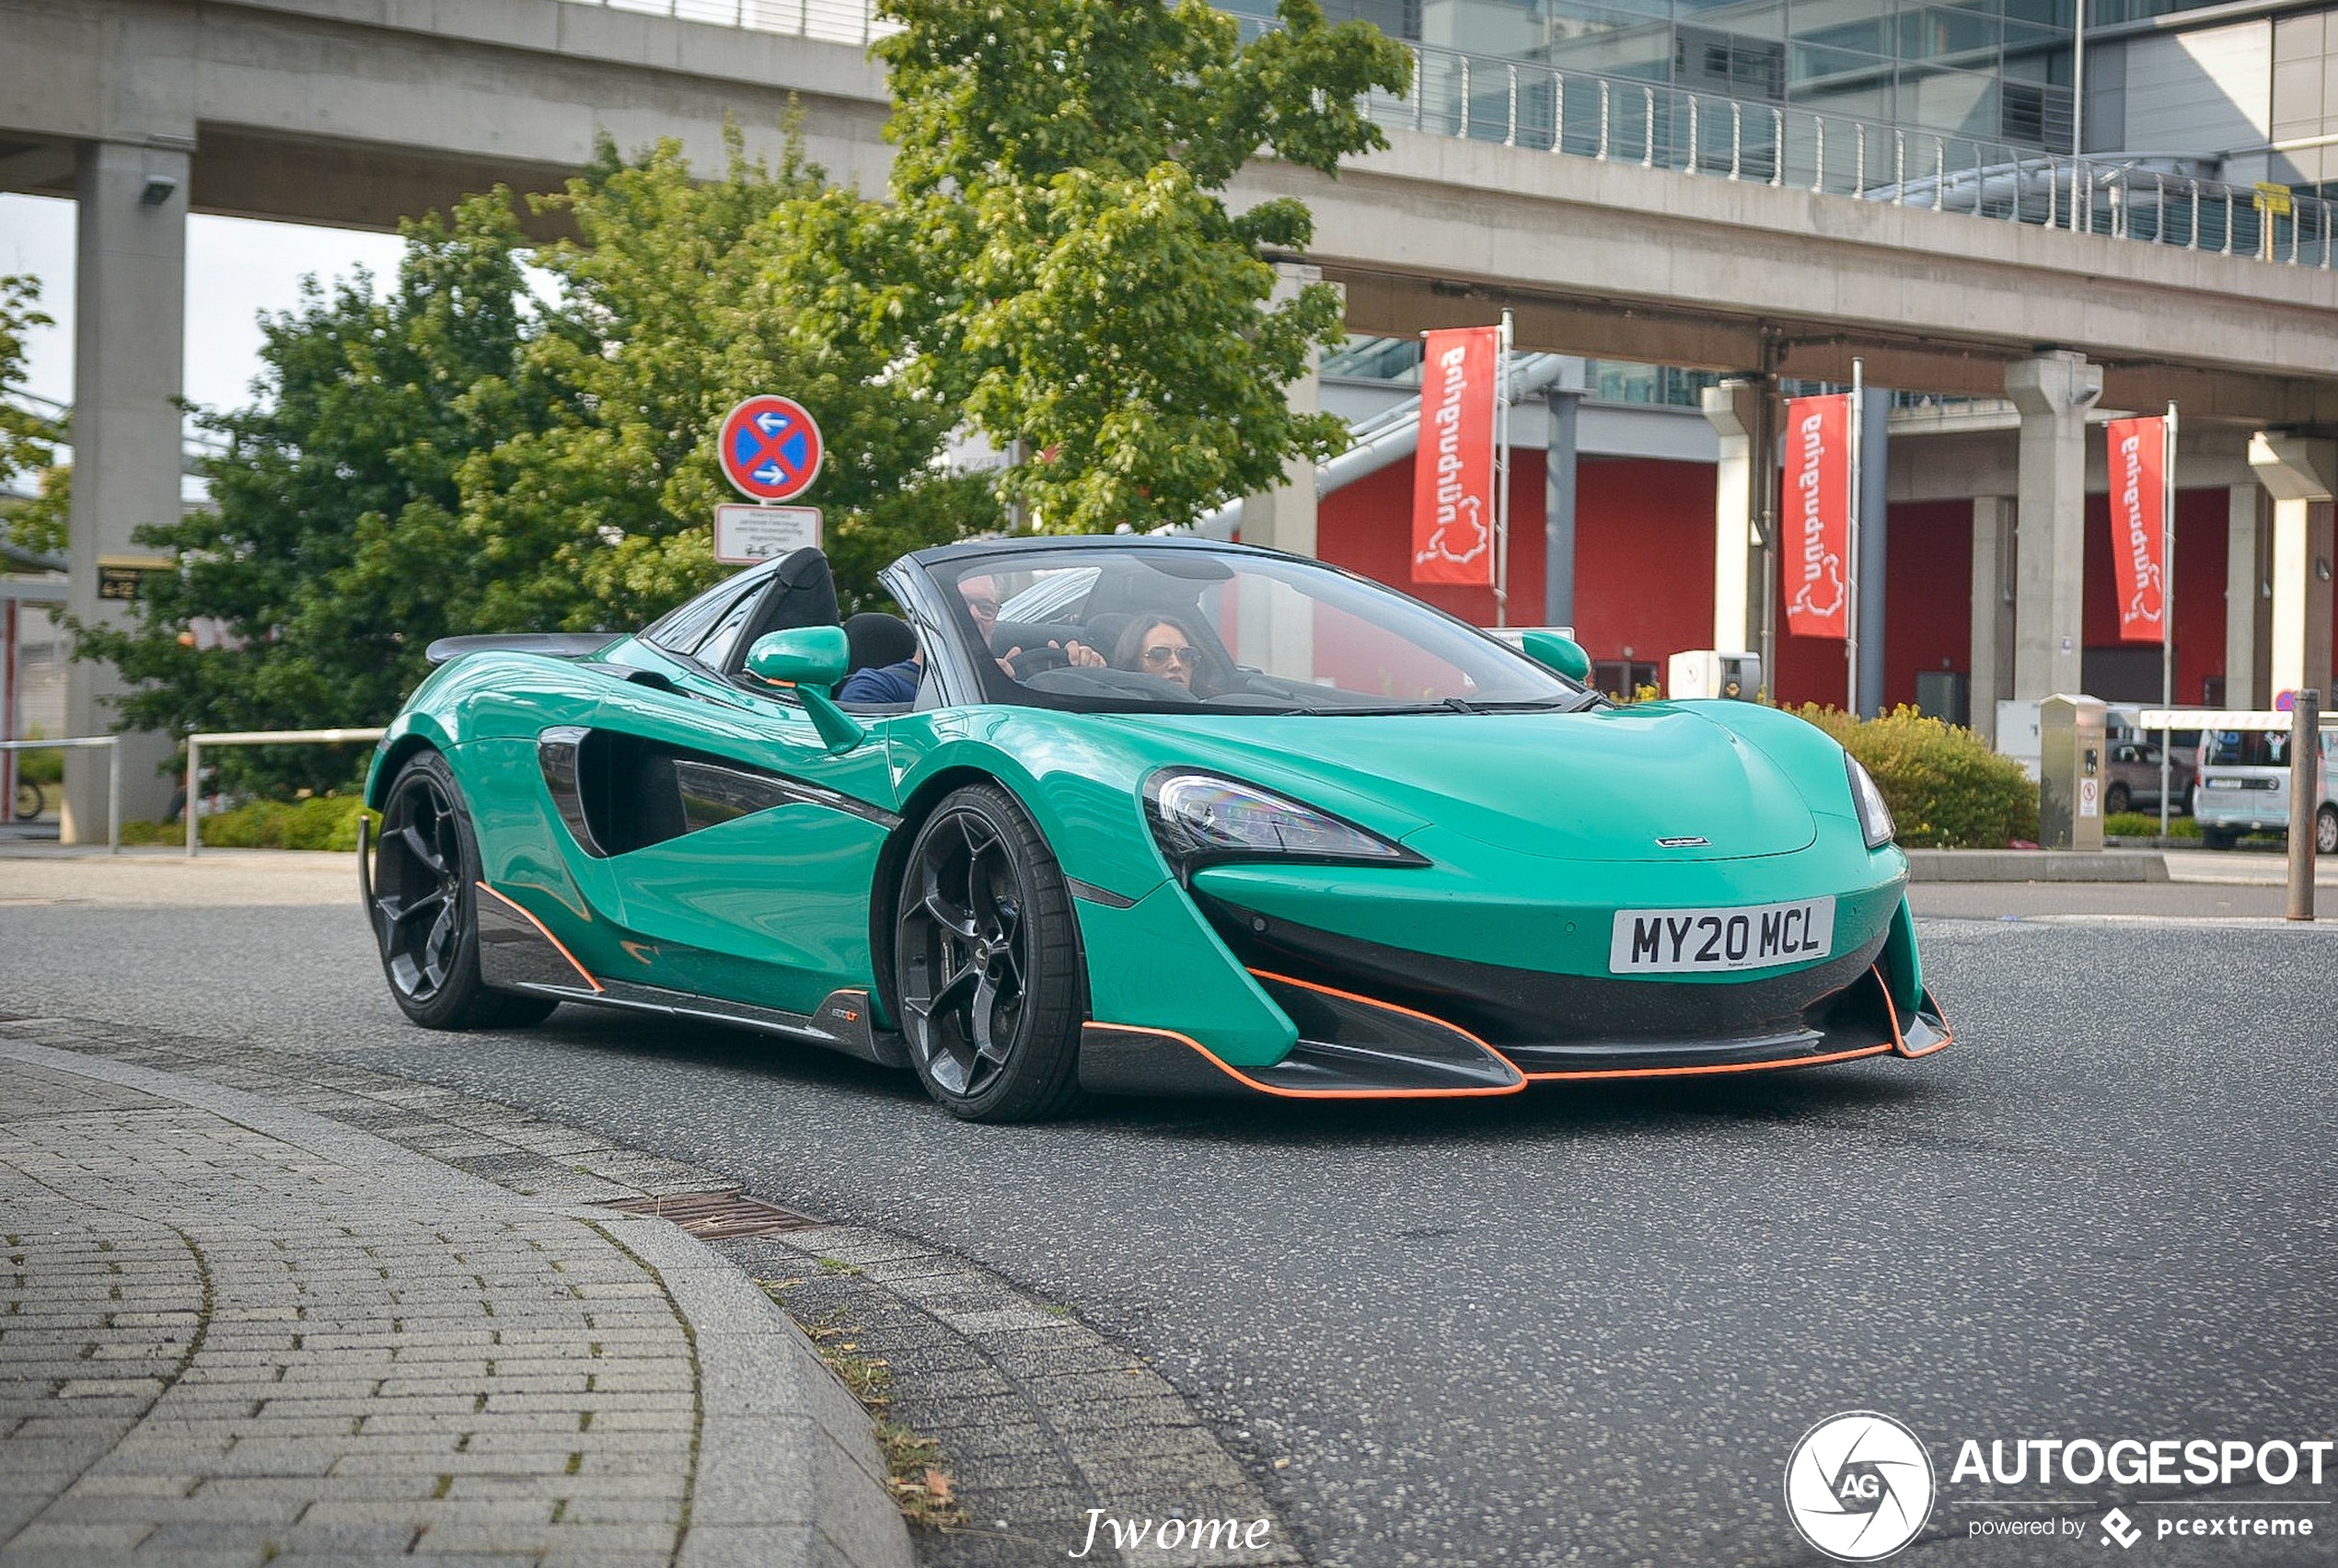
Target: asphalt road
<point>1583,1326</point>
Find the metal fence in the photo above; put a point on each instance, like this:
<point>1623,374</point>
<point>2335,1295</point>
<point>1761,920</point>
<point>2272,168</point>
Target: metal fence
<point>827,21</point>
<point>1521,103</point>
<point>195,745</point>
<point>2164,201</point>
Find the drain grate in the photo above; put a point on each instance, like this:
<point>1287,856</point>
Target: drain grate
<point>718,1216</point>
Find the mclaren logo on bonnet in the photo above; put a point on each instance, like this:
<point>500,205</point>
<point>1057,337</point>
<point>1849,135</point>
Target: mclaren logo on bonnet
<point>1691,843</point>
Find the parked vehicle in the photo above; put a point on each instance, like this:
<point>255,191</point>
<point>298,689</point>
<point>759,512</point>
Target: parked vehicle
<point>2243,784</point>
<point>2134,777</point>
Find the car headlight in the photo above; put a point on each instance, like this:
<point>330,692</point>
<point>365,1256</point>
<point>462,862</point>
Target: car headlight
<point>1875,817</point>
<point>1202,817</point>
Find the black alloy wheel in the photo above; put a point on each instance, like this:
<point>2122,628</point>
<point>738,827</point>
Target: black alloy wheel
<point>2115,799</point>
<point>425,907</point>
<point>988,960</point>
<point>2326,831</point>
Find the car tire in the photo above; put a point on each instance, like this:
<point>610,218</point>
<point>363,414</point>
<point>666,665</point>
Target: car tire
<point>2218,837</point>
<point>425,915</point>
<point>2115,799</point>
<point>2188,790</point>
<point>987,952</point>
<point>2326,831</point>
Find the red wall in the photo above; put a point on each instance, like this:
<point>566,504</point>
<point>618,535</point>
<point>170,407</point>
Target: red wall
<point>1643,551</point>
<point>1644,572</point>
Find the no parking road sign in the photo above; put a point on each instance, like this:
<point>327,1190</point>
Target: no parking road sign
<point>771,448</point>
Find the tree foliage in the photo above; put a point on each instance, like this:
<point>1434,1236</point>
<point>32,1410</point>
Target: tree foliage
<point>335,549</point>
<point>24,437</point>
<point>459,455</point>
<point>1061,171</point>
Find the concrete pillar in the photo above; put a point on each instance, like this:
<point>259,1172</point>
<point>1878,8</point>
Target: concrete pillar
<point>1284,518</point>
<point>1874,544</point>
<point>1733,408</point>
<point>2244,599</point>
<point>129,328</point>
<point>1277,631</point>
<point>1991,655</point>
<point>2300,473</point>
<point>1564,401</point>
<point>2053,393</point>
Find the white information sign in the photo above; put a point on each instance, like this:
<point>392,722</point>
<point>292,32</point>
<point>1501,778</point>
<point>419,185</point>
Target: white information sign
<point>2089,798</point>
<point>744,535</point>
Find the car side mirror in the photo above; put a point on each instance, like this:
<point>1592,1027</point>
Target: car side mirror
<point>811,659</point>
<point>801,656</point>
<point>1563,654</point>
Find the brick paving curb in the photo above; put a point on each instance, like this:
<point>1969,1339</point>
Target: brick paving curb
<point>235,1331</point>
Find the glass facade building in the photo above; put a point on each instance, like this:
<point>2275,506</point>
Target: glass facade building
<point>1997,70</point>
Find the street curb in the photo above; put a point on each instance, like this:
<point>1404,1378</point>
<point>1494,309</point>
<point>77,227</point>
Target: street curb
<point>786,1469</point>
<point>2036,866</point>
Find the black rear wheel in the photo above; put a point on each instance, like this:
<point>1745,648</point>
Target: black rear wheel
<point>2326,831</point>
<point>992,994</point>
<point>425,907</point>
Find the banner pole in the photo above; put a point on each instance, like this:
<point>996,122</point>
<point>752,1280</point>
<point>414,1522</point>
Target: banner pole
<point>2167,611</point>
<point>1851,563</point>
<point>1501,475</point>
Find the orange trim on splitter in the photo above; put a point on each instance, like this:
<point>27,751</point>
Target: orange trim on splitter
<point>559,946</point>
<point>1248,1082</point>
<point>1899,1038</point>
<point>1714,1067</point>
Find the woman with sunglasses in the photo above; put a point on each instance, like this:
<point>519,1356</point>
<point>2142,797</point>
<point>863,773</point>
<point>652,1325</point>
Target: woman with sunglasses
<point>1164,646</point>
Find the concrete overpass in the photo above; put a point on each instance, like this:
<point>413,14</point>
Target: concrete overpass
<point>357,112</point>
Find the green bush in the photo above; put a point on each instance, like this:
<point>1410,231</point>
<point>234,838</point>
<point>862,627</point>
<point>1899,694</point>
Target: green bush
<point>41,767</point>
<point>1946,788</point>
<point>2146,825</point>
<point>321,822</point>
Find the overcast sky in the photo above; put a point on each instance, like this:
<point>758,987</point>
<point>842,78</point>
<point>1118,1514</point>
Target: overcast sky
<point>236,268</point>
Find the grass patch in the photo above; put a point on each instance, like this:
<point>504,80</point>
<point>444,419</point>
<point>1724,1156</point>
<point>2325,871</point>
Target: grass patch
<point>916,1471</point>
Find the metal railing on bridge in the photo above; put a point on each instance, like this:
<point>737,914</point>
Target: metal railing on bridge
<point>1523,103</point>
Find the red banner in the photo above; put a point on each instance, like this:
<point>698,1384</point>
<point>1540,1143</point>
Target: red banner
<point>1815,517</point>
<point>2138,449</point>
<point>1454,472</point>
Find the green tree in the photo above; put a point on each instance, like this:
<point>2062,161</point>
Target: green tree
<point>1061,171</point>
<point>334,550</point>
<point>25,436</point>
<point>684,297</point>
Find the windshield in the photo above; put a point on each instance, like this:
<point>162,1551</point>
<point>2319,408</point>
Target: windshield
<point>2248,748</point>
<point>1194,628</point>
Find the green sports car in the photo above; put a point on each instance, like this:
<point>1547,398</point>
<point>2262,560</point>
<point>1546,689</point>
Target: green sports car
<point>1134,816</point>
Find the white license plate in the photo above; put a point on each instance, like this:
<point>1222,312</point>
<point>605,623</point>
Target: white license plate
<point>1676,942</point>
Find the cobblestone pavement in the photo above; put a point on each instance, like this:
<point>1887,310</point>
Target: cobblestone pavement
<point>1041,1420</point>
<point>237,1332</point>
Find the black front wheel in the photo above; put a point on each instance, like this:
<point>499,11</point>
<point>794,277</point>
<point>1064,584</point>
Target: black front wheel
<point>2326,831</point>
<point>425,913</point>
<point>2115,799</point>
<point>992,994</point>
<point>30,800</point>
<point>2218,838</point>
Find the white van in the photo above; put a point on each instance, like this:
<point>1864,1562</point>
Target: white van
<point>2242,782</point>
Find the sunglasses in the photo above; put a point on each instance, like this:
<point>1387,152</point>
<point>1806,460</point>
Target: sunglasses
<point>1161,654</point>
<point>987,608</point>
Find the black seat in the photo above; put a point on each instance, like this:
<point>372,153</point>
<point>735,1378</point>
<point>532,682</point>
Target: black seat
<point>802,593</point>
<point>877,639</point>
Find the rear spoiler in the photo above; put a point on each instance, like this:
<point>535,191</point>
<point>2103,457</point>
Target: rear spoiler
<point>552,644</point>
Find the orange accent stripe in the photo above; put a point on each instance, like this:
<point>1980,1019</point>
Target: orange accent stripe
<point>546,935</point>
<point>1248,1082</point>
<point>1899,1040</point>
<point>1721,1068</point>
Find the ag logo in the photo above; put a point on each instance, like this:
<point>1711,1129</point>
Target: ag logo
<point>1858,1486</point>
